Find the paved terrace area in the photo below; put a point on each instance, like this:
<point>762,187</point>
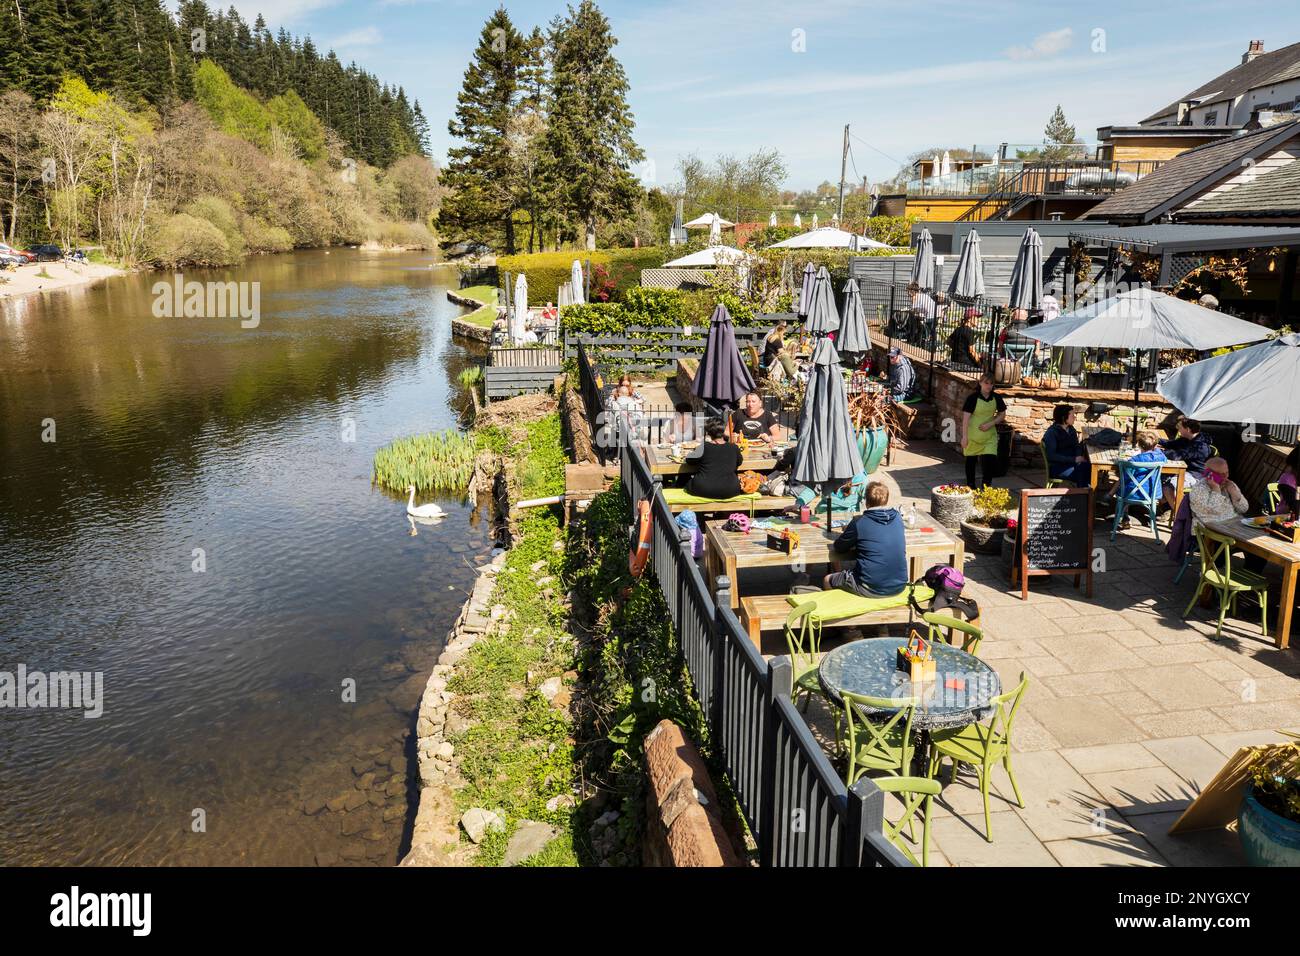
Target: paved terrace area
<point>1129,713</point>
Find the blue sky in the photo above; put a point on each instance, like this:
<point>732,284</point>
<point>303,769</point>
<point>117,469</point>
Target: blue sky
<point>726,77</point>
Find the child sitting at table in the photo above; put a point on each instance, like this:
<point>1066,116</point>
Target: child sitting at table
<point>1149,450</point>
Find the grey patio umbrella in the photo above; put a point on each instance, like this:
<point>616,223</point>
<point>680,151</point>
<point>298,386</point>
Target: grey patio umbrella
<point>805,290</point>
<point>1256,384</point>
<point>827,453</point>
<point>923,262</point>
<point>822,317</point>
<point>723,377</point>
<point>968,278</point>
<point>1027,274</point>
<point>1145,319</point>
<point>853,338</point>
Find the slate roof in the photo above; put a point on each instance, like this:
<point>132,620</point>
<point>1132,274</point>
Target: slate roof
<point>1277,191</point>
<point>1265,70</point>
<point>1212,162</point>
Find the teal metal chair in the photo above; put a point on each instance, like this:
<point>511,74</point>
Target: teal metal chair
<point>982,745</point>
<point>913,793</point>
<point>1226,582</point>
<point>1139,484</point>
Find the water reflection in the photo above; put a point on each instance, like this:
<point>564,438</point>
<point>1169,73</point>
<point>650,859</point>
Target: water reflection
<point>203,532</point>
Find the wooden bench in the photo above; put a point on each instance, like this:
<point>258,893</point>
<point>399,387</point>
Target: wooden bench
<point>765,503</point>
<point>767,612</point>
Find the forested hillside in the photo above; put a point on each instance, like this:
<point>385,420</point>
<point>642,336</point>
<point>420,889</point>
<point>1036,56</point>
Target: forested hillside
<point>196,138</point>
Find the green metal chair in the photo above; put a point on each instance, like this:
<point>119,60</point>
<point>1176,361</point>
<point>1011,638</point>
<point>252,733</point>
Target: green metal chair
<point>913,792</point>
<point>803,637</point>
<point>881,741</point>
<point>1274,496</point>
<point>972,635</point>
<point>1225,580</point>
<point>981,746</point>
<point>1048,480</point>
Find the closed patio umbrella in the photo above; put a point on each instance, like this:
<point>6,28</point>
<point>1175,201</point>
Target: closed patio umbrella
<point>1027,274</point>
<point>822,317</point>
<point>853,339</point>
<point>575,282</point>
<point>968,278</point>
<point>519,325</point>
<point>1145,319</point>
<point>715,232</point>
<point>814,220</point>
<point>923,263</point>
<point>798,221</point>
<point>805,290</point>
<point>723,377</point>
<point>1259,384</point>
<point>771,220</point>
<point>827,454</point>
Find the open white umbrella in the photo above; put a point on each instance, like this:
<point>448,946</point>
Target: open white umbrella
<point>575,283</point>
<point>1142,319</point>
<point>708,258</point>
<point>1260,384</point>
<point>828,237</point>
<point>707,220</point>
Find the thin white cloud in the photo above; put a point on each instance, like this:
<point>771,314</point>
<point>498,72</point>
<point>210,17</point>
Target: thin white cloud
<point>1043,45</point>
<point>363,36</point>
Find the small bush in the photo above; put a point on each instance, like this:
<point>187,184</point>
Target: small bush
<point>219,212</point>
<point>261,237</point>
<point>414,235</point>
<point>187,240</point>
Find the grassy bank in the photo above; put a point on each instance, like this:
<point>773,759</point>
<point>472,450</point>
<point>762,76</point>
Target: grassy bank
<point>487,312</point>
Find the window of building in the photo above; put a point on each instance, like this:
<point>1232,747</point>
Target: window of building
<point>1212,118</point>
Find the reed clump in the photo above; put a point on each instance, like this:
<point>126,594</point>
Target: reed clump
<point>432,461</point>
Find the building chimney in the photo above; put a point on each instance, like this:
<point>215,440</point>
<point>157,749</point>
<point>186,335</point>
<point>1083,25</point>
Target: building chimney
<point>1255,49</point>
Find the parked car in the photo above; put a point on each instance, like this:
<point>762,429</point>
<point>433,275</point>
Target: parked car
<point>22,254</point>
<point>11,262</point>
<point>47,253</point>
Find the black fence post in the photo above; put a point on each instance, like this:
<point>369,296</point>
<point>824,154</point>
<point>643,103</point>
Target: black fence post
<point>779,682</point>
<point>890,325</point>
<point>721,599</point>
<point>864,813</point>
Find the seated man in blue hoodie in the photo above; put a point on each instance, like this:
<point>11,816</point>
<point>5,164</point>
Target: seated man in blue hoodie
<point>876,539</point>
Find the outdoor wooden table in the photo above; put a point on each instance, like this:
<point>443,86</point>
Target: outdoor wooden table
<point>1258,541</point>
<point>726,552</point>
<point>761,457</point>
<point>1104,459</point>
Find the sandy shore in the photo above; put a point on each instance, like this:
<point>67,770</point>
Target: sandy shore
<point>27,280</point>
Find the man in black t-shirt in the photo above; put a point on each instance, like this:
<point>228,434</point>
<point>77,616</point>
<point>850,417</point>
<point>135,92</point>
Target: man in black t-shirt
<point>961,344</point>
<point>753,421</point>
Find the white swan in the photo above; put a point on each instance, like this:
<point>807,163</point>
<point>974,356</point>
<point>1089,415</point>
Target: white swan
<point>423,511</point>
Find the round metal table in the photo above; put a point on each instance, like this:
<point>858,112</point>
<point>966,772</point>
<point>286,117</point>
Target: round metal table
<point>870,668</point>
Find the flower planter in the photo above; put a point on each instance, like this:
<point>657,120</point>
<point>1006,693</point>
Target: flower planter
<point>1105,381</point>
<point>1267,838</point>
<point>872,443</point>
<point>1049,383</point>
<point>951,510</point>
<point>981,538</point>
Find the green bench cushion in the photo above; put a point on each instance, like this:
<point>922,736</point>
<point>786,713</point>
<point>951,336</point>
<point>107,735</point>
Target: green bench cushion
<point>836,605</point>
<point>680,496</point>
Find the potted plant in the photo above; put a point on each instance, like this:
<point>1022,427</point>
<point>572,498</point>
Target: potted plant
<point>1050,378</point>
<point>984,529</point>
<point>951,504</point>
<point>1269,819</point>
<point>874,425</point>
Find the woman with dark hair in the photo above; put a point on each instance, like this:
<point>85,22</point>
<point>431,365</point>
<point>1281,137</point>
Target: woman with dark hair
<point>1067,458</point>
<point>983,412</point>
<point>717,463</point>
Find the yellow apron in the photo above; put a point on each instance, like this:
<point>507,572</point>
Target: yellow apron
<point>981,442</point>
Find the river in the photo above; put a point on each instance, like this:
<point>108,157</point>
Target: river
<point>202,530</point>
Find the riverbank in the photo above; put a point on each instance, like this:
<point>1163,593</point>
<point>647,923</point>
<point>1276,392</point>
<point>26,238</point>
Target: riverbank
<point>476,325</point>
<point>52,276</point>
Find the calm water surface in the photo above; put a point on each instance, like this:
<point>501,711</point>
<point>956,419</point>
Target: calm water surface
<point>223,689</point>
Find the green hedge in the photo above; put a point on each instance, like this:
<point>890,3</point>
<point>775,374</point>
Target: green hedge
<point>614,271</point>
<point>655,308</point>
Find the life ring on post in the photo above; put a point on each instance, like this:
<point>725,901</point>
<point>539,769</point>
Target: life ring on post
<point>640,553</point>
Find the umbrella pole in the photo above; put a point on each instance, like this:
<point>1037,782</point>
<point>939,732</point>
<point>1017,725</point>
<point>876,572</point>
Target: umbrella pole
<point>1137,389</point>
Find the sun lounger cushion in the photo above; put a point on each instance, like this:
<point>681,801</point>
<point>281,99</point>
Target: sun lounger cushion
<point>680,496</point>
<point>835,605</point>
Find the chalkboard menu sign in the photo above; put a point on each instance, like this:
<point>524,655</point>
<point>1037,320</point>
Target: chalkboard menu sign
<point>1054,535</point>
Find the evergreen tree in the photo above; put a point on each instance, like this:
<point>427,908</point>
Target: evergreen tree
<point>589,134</point>
<point>480,206</point>
<point>1057,135</point>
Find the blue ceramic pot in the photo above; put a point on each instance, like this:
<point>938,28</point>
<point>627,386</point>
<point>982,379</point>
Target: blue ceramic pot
<point>1266,838</point>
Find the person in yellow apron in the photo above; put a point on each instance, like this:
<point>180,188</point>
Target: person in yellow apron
<point>983,412</point>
